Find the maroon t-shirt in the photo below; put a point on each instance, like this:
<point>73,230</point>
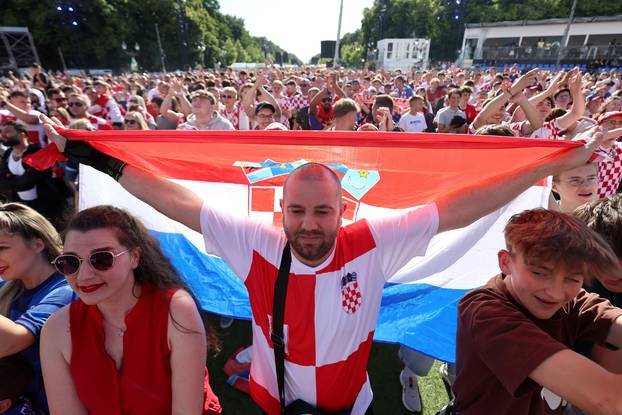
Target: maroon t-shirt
<point>499,343</point>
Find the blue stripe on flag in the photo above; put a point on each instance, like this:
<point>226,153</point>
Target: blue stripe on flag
<point>420,316</point>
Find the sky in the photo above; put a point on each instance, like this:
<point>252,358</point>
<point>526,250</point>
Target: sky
<point>295,25</point>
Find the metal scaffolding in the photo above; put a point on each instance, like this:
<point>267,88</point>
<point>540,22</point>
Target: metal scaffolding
<point>17,49</point>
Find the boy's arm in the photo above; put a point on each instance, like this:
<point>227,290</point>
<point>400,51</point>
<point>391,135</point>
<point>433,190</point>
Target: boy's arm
<point>581,382</point>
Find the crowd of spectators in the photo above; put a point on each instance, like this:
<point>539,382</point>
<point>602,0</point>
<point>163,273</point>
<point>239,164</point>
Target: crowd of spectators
<point>538,104</point>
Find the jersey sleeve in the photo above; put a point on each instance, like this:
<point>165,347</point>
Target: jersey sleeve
<point>505,340</point>
<point>36,316</point>
<point>403,236</point>
<point>235,238</point>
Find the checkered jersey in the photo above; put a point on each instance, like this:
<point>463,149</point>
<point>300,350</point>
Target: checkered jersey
<point>550,129</point>
<point>97,123</point>
<point>330,311</point>
<point>298,101</point>
<point>610,172</point>
<point>233,116</point>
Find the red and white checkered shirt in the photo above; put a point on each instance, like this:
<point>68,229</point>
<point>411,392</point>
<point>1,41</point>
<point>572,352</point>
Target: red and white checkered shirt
<point>298,101</point>
<point>233,116</point>
<point>330,310</point>
<point>550,130</point>
<point>610,172</point>
<point>97,123</point>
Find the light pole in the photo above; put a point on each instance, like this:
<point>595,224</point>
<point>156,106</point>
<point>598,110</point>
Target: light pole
<point>132,54</point>
<point>201,48</point>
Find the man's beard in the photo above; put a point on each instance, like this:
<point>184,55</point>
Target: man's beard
<point>11,141</point>
<point>315,251</point>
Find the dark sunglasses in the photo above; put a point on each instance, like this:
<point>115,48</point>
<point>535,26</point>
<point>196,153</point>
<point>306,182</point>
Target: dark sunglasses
<point>68,264</point>
<point>130,122</point>
<point>228,96</point>
<point>75,104</point>
<point>327,99</point>
<point>60,99</point>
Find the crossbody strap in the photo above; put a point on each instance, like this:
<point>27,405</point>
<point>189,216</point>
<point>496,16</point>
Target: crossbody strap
<point>278,314</point>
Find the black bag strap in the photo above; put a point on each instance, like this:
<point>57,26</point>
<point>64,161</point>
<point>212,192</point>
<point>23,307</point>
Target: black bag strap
<point>278,314</point>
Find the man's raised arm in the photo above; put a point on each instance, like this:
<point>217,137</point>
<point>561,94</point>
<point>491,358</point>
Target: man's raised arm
<point>169,198</point>
<point>464,206</point>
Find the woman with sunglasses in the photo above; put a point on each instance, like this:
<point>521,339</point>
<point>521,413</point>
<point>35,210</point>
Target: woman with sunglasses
<point>134,343</point>
<point>32,289</point>
<point>134,120</point>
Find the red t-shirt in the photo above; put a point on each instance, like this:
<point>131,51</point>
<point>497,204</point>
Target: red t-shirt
<point>499,344</point>
<point>143,384</point>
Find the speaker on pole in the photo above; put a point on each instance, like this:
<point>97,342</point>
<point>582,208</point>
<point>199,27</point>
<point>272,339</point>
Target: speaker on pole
<point>327,49</point>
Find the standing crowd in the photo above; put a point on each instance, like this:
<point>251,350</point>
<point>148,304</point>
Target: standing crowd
<point>95,319</point>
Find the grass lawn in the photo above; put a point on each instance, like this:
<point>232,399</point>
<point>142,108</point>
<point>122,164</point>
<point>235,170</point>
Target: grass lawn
<point>384,369</point>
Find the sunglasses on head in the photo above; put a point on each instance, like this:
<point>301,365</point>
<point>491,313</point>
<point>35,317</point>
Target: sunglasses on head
<point>131,122</point>
<point>68,264</point>
<point>75,104</point>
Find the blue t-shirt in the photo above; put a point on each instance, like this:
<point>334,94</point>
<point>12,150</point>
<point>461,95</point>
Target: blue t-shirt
<point>31,310</point>
<point>23,407</point>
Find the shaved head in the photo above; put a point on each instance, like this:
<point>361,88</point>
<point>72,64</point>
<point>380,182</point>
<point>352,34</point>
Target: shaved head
<point>313,172</point>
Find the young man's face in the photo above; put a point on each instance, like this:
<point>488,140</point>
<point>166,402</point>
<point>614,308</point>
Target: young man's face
<point>563,99</point>
<point>453,100</point>
<point>544,107</point>
<point>577,186</point>
<point>265,117</point>
<point>312,214</point>
<point>542,288</point>
<point>20,102</point>
<point>201,105</point>
<point>416,106</point>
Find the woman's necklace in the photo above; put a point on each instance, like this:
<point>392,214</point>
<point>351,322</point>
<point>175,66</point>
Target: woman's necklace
<point>120,330</point>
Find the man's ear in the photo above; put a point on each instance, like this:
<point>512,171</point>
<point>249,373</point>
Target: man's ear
<point>344,207</point>
<point>281,204</point>
<point>504,258</point>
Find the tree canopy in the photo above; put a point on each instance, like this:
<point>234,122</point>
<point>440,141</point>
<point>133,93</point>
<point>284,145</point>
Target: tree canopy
<point>90,33</point>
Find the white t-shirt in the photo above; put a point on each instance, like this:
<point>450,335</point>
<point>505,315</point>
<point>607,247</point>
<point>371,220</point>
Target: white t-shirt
<point>413,123</point>
<point>331,310</point>
<point>17,168</point>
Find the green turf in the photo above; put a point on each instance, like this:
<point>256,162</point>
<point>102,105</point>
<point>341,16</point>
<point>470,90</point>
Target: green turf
<point>384,369</point>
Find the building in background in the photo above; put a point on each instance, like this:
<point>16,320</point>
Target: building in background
<point>402,53</point>
<point>539,42</point>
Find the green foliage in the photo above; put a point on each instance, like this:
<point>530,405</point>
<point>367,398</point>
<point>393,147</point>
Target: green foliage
<point>104,24</point>
<point>434,19</point>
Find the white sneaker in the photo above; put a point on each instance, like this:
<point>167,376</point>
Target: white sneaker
<point>410,391</point>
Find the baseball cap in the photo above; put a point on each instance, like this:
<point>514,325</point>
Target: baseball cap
<point>608,115</point>
<point>264,104</point>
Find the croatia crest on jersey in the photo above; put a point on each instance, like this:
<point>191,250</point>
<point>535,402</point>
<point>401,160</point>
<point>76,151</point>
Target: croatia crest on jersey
<point>266,179</point>
<point>351,298</point>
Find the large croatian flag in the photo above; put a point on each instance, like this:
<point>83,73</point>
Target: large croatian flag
<point>243,172</point>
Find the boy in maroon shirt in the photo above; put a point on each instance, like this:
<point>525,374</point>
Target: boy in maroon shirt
<point>517,334</point>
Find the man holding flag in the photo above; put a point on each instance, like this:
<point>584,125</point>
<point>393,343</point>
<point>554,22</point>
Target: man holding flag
<point>336,273</point>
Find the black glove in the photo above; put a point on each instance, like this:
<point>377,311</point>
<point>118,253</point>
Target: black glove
<point>457,121</point>
<point>82,152</point>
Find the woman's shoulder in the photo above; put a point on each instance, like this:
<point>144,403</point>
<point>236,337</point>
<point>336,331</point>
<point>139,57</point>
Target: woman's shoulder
<point>57,326</point>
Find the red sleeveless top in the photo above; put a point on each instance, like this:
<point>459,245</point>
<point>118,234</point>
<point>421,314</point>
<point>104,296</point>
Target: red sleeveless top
<point>143,383</point>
